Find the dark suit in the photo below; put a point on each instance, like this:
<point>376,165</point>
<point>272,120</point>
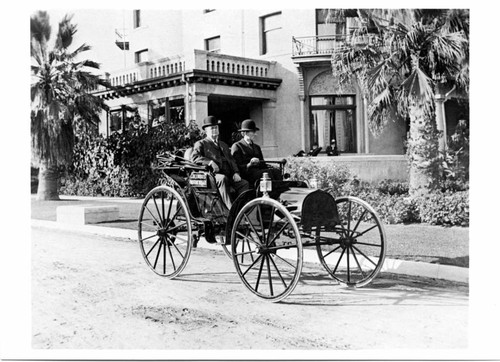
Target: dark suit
<point>206,150</point>
<point>243,153</point>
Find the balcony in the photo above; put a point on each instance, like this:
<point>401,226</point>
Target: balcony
<point>199,65</point>
<point>322,47</point>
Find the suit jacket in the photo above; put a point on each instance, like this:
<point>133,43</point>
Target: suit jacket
<point>243,153</point>
<point>206,150</point>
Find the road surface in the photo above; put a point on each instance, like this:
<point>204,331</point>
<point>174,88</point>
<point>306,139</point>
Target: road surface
<point>97,293</point>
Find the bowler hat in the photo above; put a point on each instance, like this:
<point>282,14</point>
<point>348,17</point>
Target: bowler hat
<point>210,121</point>
<point>248,125</point>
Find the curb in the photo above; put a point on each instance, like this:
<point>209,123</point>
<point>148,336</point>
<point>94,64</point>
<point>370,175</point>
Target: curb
<point>412,268</point>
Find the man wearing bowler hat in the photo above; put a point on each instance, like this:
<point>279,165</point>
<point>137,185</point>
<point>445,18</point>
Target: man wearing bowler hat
<point>212,152</point>
<point>248,155</point>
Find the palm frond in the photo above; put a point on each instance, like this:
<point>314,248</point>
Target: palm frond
<point>65,33</point>
<point>90,64</point>
<point>82,48</point>
<point>40,26</point>
<point>418,86</point>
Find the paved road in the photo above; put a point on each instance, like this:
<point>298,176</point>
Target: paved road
<point>94,292</point>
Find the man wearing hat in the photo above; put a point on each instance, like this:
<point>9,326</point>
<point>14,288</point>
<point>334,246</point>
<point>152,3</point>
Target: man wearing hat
<point>212,152</point>
<point>248,155</point>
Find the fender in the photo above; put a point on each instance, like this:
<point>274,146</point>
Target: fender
<point>319,209</point>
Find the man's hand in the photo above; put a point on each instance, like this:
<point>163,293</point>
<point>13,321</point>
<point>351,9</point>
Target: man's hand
<point>236,177</point>
<point>254,161</point>
<point>214,166</point>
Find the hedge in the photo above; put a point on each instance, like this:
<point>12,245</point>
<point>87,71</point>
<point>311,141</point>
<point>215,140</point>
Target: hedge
<point>121,166</point>
<point>390,198</point>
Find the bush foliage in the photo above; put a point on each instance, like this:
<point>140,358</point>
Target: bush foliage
<point>121,164</point>
<point>390,198</point>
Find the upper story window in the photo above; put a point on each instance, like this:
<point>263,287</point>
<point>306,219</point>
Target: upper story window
<point>213,44</point>
<point>141,56</point>
<point>329,25</point>
<point>270,26</point>
<point>137,18</point>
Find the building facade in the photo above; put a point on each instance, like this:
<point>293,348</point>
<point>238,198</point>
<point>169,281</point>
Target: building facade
<point>269,65</point>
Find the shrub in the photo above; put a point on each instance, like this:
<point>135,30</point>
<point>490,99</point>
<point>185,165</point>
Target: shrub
<point>121,164</point>
<point>390,198</point>
<point>390,187</point>
<point>445,208</point>
<point>329,175</point>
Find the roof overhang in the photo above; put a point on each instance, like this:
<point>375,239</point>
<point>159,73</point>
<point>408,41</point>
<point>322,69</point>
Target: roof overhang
<point>190,76</point>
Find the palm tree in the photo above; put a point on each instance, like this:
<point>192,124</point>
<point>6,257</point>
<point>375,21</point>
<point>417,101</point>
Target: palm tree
<point>411,58</point>
<point>60,98</point>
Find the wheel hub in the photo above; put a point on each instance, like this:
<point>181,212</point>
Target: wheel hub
<point>347,241</point>
<point>162,232</point>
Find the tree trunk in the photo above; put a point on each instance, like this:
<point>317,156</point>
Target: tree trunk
<point>48,182</point>
<point>421,150</point>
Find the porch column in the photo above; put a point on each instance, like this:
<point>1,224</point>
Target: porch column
<point>303,118</point>
<point>198,107</point>
<point>269,147</point>
<point>365,124</point>
<point>441,120</point>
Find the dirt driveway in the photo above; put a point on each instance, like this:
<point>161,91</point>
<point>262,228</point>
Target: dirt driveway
<point>96,293</point>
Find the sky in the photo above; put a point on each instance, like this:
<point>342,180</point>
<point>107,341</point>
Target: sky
<point>90,22</point>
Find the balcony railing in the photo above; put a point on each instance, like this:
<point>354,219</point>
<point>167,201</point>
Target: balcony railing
<point>326,44</point>
<point>199,59</point>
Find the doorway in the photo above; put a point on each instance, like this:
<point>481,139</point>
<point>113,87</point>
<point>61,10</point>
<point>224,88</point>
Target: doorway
<point>231,111</point>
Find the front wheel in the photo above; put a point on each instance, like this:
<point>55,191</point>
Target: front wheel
<point>164,232</point>
<point>354,251</point>
<point>267,249</point>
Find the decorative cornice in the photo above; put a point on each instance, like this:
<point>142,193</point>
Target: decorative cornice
<point>192,76</point>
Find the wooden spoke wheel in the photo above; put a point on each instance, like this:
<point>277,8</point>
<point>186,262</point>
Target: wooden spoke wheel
<point>164,231</point>
<point>267,249</point>
<point>354,251</point>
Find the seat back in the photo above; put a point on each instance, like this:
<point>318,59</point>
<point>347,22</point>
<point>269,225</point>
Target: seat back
<point>188,153</point>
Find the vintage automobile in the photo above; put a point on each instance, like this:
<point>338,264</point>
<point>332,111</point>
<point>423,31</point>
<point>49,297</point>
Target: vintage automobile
<point>265,232</point>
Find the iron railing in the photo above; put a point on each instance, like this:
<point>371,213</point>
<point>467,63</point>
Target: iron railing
<point>326,44</point>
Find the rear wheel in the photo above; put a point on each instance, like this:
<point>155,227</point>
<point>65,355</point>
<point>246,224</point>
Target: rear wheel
<point>164,231</point>
<point>354,251</point>
<point>267,249</point>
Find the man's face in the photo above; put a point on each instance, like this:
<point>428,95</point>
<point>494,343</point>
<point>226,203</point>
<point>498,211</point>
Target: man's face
<point>212,131</point>
<point>250,135</point>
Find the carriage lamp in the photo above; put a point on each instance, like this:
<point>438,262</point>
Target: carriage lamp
<point>265,184</point>
<point>313,183</point>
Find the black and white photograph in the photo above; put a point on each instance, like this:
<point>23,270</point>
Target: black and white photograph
<point>283,181</point>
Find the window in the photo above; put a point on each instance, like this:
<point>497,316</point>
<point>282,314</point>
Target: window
<point>331,32</point>
<point>137,18</point>
<point>333,26</point>
<point>213,44</point>
<point>141,56</point>
<point>165,110</point>
<point>333,118</point>
<point>270,30</point>
<point>157,111</point>
<point>115,120</point>
<point>176,110</point>
<point>121,119</point>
